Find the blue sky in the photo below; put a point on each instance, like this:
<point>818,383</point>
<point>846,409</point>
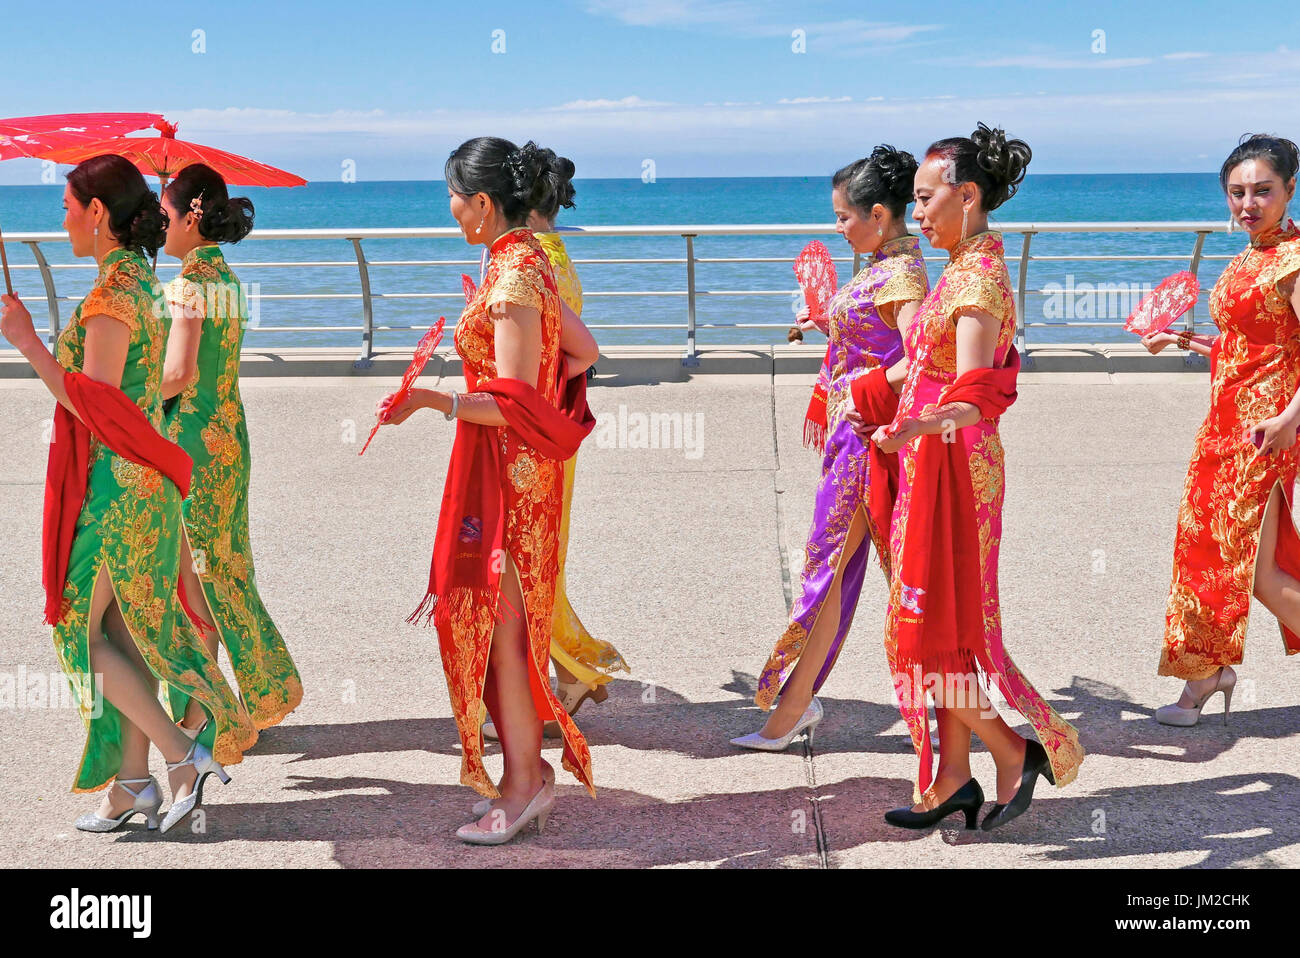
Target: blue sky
<point>701,88</point>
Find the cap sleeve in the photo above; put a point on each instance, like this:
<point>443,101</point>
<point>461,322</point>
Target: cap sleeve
<point>1287,262</point>
<point>520,285</point>
<point>186,299</point>
<point>902,286</point>
<point>978,290</point>
<point>113,297</point>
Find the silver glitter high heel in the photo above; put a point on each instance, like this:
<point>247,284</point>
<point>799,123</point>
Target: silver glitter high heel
<point>204,765</point>
<point>148,802</point>
<point>811,716</point>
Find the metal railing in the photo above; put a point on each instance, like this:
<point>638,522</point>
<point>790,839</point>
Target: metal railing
<point>692,293</point>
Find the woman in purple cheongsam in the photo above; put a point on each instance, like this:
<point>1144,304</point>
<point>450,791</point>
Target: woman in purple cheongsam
<point>867,321</point>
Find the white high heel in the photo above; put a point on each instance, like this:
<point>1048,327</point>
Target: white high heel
<point>538,808</point>
<point>147,802</point>
<point>1181,717</point>
<point>811,716</point>
<point>204,765</point>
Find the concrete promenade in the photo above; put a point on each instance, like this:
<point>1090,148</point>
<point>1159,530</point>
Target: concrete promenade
<point>685,559</point>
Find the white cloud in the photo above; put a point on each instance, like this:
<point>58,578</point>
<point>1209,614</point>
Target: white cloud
<point>1184,55</point>
<point>814,99</point>
<point>630,102</point>
<point>1051,62</point>
<point>757,19</point>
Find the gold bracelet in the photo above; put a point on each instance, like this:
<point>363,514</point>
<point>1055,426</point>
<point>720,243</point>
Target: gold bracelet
<point>1184,340</point>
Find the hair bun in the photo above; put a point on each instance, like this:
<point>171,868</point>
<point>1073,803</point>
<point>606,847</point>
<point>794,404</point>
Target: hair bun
<point>897,171</point>
<point>1004,161</point>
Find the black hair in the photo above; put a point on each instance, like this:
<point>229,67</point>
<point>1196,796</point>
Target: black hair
<point>884,177</point>
<point>1281,154</point>
<point>222,219</point>
<point>135,217</point>
<point>989,160</point>
<point>519,179</point>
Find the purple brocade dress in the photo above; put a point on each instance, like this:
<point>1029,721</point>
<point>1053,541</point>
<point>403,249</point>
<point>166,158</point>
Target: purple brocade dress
<point>860,340</point>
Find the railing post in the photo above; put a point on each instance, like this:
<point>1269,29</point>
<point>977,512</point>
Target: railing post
<point>51,294</point>
<point>692,357</point>
<point>365,360</point>
<point>1195,359</point>
<point>1022,286</point>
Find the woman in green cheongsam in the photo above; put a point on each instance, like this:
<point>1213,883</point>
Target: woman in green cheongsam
<point>209,315</point>
<point>120,616</point>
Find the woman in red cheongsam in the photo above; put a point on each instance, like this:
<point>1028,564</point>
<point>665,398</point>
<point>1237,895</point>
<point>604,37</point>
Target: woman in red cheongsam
<point>1235,534</point>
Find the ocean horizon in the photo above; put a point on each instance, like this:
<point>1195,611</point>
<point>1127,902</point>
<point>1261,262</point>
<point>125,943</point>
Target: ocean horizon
<point>368,204</point>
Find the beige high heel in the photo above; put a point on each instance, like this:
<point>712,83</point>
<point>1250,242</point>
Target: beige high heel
<point>1181,717</point>
<point>538,809</point>
<point>484,806</point>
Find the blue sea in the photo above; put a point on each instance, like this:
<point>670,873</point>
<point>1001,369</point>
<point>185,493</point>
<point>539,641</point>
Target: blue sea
<point>1041,199</point>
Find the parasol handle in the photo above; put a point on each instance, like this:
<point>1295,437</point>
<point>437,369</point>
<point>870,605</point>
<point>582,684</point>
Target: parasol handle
<point>4,259</point>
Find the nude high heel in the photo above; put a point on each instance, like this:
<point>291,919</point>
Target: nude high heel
<point>1181,717</point>
<point>538,809</point>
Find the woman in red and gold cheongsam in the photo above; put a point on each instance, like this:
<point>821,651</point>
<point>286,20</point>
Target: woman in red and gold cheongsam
<point>1236,537</point>
<point>496,554</point>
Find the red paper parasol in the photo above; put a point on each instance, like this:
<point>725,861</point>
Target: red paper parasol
<point>423,351</point>
<point>33,136</point>
<point>164,156</point>
<point>1162,307</point>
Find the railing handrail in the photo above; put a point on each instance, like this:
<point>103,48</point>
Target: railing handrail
<point>734,229</point>
<point>354,236</point>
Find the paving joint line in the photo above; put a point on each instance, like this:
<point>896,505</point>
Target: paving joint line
<point>783,549</point>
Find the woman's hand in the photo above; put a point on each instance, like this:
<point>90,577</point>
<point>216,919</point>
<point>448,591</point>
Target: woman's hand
<point>907,431</point>
<point>859,425</point>
<point>16,323</point>
<point>394,415</point>
<point>1154,342</point>
<point>1279,435</point>
<point>806,322</point>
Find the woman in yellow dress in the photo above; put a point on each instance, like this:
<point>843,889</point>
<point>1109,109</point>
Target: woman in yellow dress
<point>583,664</point>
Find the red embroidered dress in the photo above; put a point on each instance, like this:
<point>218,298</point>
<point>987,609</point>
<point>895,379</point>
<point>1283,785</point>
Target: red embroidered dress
<point>1255,373</point>
<point>975,277</point>
<point>519,273</point>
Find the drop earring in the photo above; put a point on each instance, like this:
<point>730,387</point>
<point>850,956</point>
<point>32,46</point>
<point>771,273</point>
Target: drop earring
<point>963,223</point>
<point>1232,222</point>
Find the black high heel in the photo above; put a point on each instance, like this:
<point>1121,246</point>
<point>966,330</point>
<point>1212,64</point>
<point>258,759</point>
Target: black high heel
<point>966,799</point>
<point>1036,763</point>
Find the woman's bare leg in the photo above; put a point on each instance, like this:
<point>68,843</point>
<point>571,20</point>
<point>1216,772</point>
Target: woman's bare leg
<point>510,701</point>
<point>198,600</point>
<point>1279,592</point>
<point>965,709</point>
<point>954,756</point>
<point>797,693</point>
<point>132,689</point>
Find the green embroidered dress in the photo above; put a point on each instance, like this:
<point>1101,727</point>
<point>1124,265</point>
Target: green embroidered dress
<point>207,421</point>
<point>130,524</point>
